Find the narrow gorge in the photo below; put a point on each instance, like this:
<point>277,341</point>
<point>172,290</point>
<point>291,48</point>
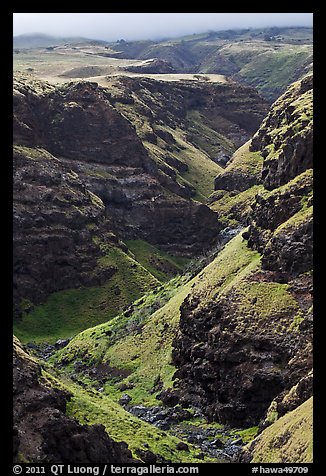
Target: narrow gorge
<point>163,258</point>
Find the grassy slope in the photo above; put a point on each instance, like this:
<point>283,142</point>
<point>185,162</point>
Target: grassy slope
<point>201,170</point>
<point>272,72</point>
<point>301,120</point>
<point>146,352</point>
<point>268,66</point>
<point>205,137</point>
<point>92,407</point>
<point>245,162</point>
<point>288,440</point>
<point>157,262</point>
<point>65,313</point>
<point>232,206</point>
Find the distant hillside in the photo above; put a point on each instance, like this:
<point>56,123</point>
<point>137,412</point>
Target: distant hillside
<point>39,40</point>
<point>269,59</point>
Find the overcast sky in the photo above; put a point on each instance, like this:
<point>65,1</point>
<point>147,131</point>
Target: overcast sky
<point>136,26</point>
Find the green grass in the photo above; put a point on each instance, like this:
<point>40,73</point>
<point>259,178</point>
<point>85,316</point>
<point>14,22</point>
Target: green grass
<point>201,169</point>
<point>91,407</point>
<point>36,153</point>
<point>268,66</point>
<point>160,264</point>
<point>205,137</point>
<point>140,343</point>
<point>296,126</point>
<point>245,161</point>
<point>234,209</point>
<point>272,71</point>
<point>145,349</point>
<point>304,180</point>
<point>246,435</point>
<point>299,218</point>
<point>287,440</point>
<point>240,175</point>
<point>65,313</point>
<point>256,303</point>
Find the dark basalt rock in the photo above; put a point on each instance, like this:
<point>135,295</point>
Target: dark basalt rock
<point>147,456</point>
<point>233,376</point>
<point>42,430</point>
<point>55,220</point>
<point>79,123</point>
<point>182,446</point>
<point>291,251</point>
<point>288,131</point>
<point>286,245</point>
<point>228,367</point>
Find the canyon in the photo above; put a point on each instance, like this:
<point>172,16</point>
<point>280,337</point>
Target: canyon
<point>163,258</point>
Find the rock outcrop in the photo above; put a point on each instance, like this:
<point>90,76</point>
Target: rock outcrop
<point>55,220</point>
<point>288,440</point>
<point>281,225</point>
<point>251,344</point>
<point>236,187</point>
<point>79,124</point>
<point>152,66</point>
<point>85,172</point>
<point>231,360</point>
<point>43,431</point>
<point>285,137</point>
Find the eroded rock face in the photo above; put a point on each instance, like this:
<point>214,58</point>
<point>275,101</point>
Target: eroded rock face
<point>79,124</point>
<point>231,361</point>
<point>125,141</point>
<point>289,439</point>
<point>55,220</point>
<point>232,368</point>
<point>281,227</point>
<point>42,431</point>
<point>285,138</point>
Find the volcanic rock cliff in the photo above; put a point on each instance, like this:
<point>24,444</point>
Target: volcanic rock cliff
<point>43,431</point>
<point>93,163</point>
<point>78,124</point>
<point>55,220</point>
<point>253,343</point>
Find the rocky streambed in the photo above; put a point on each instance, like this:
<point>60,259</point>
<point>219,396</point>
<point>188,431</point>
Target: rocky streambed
<point>213,440</point>
<point>189,425</point>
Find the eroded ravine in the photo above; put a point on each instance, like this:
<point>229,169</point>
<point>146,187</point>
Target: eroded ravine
<point>167,363</point>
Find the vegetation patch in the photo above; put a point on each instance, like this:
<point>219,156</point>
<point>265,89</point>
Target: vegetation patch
<point>246,162</point>
<point>300,182</point>
<point>91,407</point>
<point>67,312</point>
<point>201,169</point>
<point>299,218</point>
<point>207,138</point>
<point>290,438</point>
<point>234,208</point>
<point>246,435</point>
<point>141,342</point>
<point>160,264</point>
<point>262,300</point>
<point>272,71</point>
<point>33,153</point>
